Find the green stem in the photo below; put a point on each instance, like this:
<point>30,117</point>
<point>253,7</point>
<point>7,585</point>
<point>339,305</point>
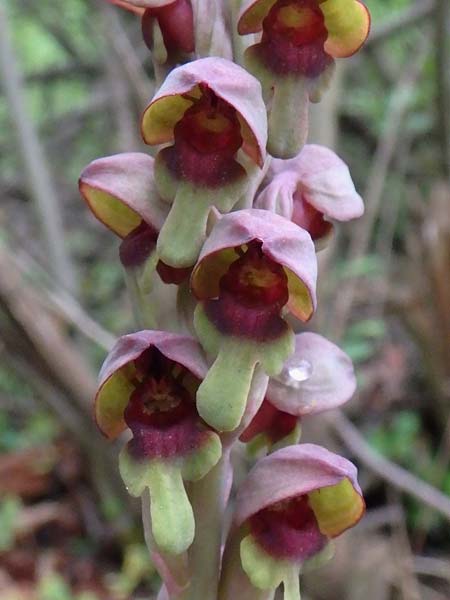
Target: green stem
<point>288,117</point>
<point>137,300</point>
<point>183,233</point>
<point>291,584</point>
<point>208,498</point>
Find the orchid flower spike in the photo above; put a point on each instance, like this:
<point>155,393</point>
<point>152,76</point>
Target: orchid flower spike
<point>318,377</point>
<point>254,267</point>
<point>148,385</point>
<point>212,114</point>
<point>294,58</point>
<point>312,190</point>
<point>291,505</point>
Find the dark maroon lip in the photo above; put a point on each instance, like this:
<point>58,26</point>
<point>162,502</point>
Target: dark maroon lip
<point>212,170</point>
<point>272,422</point>
<point>288,530</point>
<point>137,246</point>
<point>173,275</point>
<point>206,140</point>
<point>298,49</point>
<point>251,295</point>
<point>161,411</point>
<point>309,218</point>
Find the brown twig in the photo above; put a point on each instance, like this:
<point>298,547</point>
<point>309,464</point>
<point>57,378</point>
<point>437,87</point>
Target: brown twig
<point>396,476</point>
<point>37,172</point>
<point>399,103</point>
<point>443,81</point>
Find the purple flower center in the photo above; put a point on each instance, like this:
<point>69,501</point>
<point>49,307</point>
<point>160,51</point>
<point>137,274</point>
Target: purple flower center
<point>161,411</point>
<point>207,138</point>
<point>293,38</point>
<point>252,294</point>
<point>271,421</point>
<point>288,530</point>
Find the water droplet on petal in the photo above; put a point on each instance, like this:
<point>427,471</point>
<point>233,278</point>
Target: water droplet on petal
<point>295,373</point>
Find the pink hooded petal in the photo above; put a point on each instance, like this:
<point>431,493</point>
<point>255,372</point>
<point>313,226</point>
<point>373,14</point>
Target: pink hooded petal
<point>282,241</point>
<point>323,179</point>
<point>278,195</point>
<point>331,383</point>
<point>290,472</point>
<point>229,82</point>
<point>138,6</point>
<point>120,191</point>
<point>114,379</point>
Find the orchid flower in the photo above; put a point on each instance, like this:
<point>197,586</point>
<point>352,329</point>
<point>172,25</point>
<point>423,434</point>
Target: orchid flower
<point>294,58</point>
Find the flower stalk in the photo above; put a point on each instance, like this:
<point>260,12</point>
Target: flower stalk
<point>218,239</point>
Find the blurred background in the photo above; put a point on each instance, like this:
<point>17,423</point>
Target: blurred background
<point>75,77</point>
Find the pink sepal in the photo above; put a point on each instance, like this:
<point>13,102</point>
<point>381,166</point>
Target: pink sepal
<point>320,177</point>
<point>332,381</point>
<point>230,83</point>
<point>139,6</point>
<point>128,177</point>
<point>290,472</point>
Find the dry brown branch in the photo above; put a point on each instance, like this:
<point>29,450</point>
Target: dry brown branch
<point>127,55</point>
<point>399,103</point>
<point>33,157</point>
<point>60,355</point>
<point>61,303</point>
<point>433,567</point>
<point>443,81</point>
<point>396,476</point>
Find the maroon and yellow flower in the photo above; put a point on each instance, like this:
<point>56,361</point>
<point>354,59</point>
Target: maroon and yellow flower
<point>295,57</point>
<point>211,114</point>
<point>254,267</point>
<point>148,385</point>
<point>291,505</point>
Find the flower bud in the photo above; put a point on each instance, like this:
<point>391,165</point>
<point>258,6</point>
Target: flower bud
<point>148,385</point>
<point>311,190</point>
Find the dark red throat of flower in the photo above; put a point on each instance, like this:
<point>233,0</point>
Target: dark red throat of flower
<point>251,296</point>
<point>170,274</point>
<point>300,21</point>
<point>210,126</point>
<point>270,421</point>
<point>137,246</point>
<point>207,138</point>
<point>294,33</point>
<point>288,530</point>
<point>309,218</point>
<point>161,411</point>
<point>256,280</point>
<point>177,27</point>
